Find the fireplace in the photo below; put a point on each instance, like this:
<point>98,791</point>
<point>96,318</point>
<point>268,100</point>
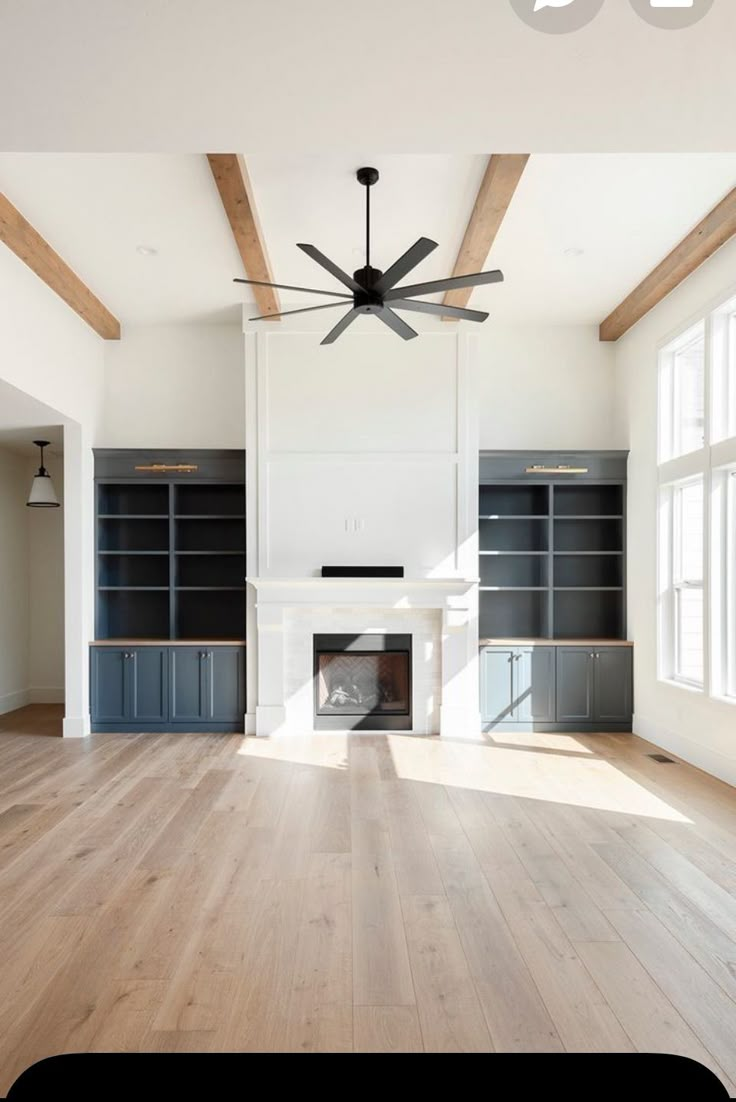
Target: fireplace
<point>362,682</point>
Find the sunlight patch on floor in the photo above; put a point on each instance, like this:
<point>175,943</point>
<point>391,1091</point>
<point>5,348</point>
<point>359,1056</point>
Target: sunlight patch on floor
<point>578,781</point>
<point>551,768</point>
<point>328,751</point>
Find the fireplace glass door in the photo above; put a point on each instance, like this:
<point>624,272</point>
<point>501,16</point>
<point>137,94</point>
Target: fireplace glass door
<point>363,681</point>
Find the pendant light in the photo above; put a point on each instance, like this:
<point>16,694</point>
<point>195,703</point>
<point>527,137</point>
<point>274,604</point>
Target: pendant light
<point>42,495</point>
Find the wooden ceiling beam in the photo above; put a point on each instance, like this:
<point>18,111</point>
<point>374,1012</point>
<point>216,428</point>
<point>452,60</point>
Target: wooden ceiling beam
<point>28,245</point>
<point>499,183</point>
<point>233,184</point>
<point>718,227</point>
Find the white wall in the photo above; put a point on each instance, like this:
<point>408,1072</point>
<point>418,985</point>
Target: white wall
<point>360,447</point>
<point>31,588</point>
<point>697,728</point>
<point>46,590</point>
<point>546,387</point>
<point>14,582</point>
<point>174,387</point>
<point>49,353</point>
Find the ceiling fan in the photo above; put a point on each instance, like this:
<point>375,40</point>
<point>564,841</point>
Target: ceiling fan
<point>374,291</point>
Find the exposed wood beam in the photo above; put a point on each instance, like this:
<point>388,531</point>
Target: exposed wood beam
<point>28,245</point>
<point>496,191</point>
<point>233,183</point>
<point>718,227</point>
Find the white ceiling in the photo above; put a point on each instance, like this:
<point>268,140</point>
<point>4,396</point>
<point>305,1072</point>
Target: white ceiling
<point>23,420</point>
<point>395,75</point>
<point>625,211</point>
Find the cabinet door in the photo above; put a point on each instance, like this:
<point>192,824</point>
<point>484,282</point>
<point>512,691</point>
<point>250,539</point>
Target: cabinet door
<point>109,676</point>
<point>225,684</point>
<point>534,685</point>
<point>149,688</point>
<point>187,684</point>
<point>575,667</point>
<point>613,685</point>
<point>497,684</point>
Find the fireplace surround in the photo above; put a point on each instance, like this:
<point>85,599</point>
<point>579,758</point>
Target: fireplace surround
<point>362,682</point>
<point>440,615</point>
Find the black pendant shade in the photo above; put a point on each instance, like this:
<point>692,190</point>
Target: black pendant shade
<point>375,292</point>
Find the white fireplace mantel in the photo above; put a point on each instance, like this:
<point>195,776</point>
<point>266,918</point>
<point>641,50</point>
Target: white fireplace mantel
<point>440,613</point>
<point>383,592</point>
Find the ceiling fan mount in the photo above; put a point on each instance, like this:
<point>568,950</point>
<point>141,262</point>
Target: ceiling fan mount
<point>368,176</point>
<point>375,292</point>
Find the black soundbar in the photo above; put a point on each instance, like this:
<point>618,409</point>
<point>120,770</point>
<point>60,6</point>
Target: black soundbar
<point>362,572</point>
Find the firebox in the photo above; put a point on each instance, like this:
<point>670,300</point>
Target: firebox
<point>362,682</point>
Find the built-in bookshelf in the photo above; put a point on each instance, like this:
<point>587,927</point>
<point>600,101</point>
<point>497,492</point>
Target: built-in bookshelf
<point>170,559</point>
<point>552,561</point>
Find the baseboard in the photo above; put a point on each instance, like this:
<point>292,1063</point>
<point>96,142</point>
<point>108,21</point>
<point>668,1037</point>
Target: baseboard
<point>76,726</point>
<point>42,695</point>
<point>11,701</point>
<point>714,762</point>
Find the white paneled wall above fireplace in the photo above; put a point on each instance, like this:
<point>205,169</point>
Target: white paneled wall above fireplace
<point>366,452</point>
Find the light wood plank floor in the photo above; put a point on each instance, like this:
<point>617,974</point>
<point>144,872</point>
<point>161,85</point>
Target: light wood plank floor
<point>34,719</point>
<point>372,893</point>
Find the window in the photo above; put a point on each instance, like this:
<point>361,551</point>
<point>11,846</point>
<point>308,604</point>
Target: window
<point>723,413</point>
<point>682,395</point>
<point>723,584</point>
<point>687,581</point>
<point>697,505</point>
<point>730,586</point>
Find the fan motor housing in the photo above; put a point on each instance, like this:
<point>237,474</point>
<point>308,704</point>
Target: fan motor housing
<point>368,301</point>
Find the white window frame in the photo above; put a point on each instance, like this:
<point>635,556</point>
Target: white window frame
<point>728,649</point>
<point>670,393</point>
<point>680,582</point>
<point>715,463</point>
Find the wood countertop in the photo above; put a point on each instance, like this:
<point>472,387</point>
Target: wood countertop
<point>554,643</point>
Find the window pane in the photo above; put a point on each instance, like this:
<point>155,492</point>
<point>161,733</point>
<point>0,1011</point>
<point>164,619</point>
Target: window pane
<point>689,617</point>
<point>689,396</point>
<point>688,581</point>
<point>689,563</point>
<point>729,585</point>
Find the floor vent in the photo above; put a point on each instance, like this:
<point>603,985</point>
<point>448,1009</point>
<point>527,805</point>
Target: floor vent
<point>662,759</point>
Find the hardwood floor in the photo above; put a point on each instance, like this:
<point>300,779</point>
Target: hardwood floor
<point>34,719</point>
<point>377,893</point>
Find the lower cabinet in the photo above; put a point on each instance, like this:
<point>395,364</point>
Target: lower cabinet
<point>518,685</point>
<point>556,688</point>
<point>207,686</point>
<point>177,688</point>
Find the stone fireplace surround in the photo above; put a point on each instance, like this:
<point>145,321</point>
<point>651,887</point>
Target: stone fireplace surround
<point>438,613</point>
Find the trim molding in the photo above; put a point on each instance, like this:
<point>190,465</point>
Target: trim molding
<point>715,762</point>
<point>9,702</point>
<point>76,726</point>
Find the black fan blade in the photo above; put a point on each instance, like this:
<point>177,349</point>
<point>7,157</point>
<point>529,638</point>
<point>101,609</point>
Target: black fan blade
<point>393,321</point>
<point>286,287</point>
<point>333,269</point>
<point>341,326</point>
<point>438,309</point>
<point>451,284</point>
<point>306,310</point>
<point>413,256</point>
